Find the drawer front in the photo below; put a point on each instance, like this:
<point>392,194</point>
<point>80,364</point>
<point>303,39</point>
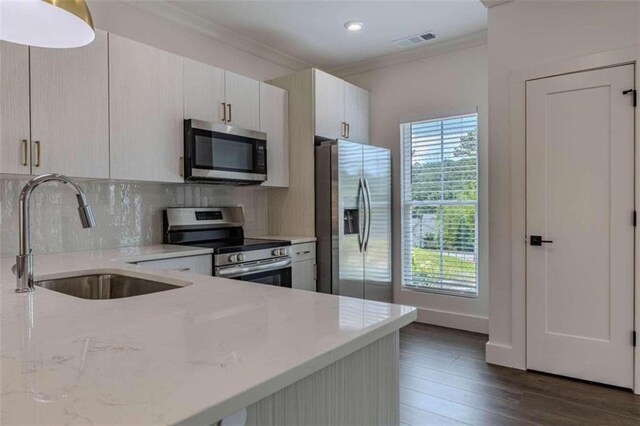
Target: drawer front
<point>195,264</point>
<point>302,252</point>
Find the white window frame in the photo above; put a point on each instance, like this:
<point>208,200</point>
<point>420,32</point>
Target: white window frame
<point>405,208</point>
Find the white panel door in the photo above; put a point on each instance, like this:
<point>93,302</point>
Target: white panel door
<point>274,121</point>
<point>145,105</point>
<point>329,105</point>
<point>243,101</point>
<point>580,197</point>
<point>70,109</point>
<point>203,92</point>
<point>14,109</point>
<point>356,113</point>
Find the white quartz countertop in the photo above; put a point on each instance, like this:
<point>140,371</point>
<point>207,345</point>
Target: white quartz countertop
<point>292,239</point>
<point>190,355</point>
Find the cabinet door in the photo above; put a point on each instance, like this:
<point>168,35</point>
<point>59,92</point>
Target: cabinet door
<point>329,105</point>
<point>356,113</point>
<point>303,275</point>
<point>145,104</point>
<point>202,265</point>
<point>243,101</point>
<point>274,121</point>
<point>203,92</point>
<point>14,109</point>
<point>70,110</point>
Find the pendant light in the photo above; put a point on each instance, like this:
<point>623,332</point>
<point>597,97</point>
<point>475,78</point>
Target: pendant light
<point>46,23</point>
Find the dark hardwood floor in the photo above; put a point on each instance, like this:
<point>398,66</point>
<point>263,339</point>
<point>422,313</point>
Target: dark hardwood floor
<point>445,380</point>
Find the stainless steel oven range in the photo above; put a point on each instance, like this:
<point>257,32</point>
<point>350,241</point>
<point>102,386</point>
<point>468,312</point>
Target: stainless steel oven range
<point>235,257</point>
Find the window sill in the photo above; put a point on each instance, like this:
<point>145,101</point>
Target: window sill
<point>440,292</point>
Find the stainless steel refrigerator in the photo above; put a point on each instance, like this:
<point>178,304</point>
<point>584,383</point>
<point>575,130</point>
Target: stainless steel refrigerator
<point>353,220</point>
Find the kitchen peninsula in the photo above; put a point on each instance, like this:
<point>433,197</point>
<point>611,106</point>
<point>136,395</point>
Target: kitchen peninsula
<point>195,354</point>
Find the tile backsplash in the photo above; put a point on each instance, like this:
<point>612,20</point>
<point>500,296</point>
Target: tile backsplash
<point>127,213</point>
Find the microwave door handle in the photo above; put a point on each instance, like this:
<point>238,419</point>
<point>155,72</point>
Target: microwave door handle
<point>236,271</point>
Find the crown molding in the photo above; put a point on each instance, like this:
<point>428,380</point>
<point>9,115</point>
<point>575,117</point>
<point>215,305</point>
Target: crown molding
<point>470,40</point>
<point>493,3</point>
<point>217,32</point>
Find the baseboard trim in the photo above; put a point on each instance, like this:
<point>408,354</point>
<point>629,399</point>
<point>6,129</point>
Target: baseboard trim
<point>454,320</point>
<point>502,355</point>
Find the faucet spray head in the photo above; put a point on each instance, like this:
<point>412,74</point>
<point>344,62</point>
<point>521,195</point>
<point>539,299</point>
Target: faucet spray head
<point>86,214</point>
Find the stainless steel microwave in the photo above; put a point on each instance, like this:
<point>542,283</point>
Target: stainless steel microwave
<point>218,153</point>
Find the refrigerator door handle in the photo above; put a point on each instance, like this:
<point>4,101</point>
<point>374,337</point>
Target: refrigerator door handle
<point>367,192</point>
<point>360,228</point>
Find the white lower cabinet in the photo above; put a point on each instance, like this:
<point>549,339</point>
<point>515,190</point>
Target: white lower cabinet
<point>201,264</point>
<point>303,268</point>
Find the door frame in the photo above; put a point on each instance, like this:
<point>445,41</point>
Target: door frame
<point>514,354</point>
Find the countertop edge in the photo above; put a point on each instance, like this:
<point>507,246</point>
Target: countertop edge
<point>277,383</point>
<point>191,251</point>
<point>291,239</point>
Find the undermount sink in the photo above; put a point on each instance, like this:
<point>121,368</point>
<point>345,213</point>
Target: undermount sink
<point>104,286</point>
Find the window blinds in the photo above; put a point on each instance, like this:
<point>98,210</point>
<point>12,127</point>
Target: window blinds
<point>440,205</point>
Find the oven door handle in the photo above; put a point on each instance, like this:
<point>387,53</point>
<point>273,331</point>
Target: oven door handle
<point>236,271</point>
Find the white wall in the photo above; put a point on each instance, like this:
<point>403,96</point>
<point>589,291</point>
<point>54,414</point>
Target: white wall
<point>449,83</point>
<point>118,18</point>
<point>524,34</point>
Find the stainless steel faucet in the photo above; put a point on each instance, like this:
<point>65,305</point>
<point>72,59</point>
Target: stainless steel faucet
<point>24,260</point>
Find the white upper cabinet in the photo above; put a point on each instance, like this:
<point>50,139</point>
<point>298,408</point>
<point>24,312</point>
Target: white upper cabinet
<point>242,96</point>
<point>116,109</point>
<point>14,109</point>
<point>146,109</point>
<point>341,109</point>
<point>274,121</point>
<point>70,110</point>
<point>217,96</point>
<point>356,113</point>
<point>329,106</point>
<point>204,92</point>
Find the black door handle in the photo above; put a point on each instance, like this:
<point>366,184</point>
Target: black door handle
<point>536,240</point>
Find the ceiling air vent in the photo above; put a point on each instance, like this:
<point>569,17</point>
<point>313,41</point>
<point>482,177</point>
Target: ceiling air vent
<point>414,40</point>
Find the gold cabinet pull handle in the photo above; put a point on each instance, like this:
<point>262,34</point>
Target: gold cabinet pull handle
<point>25,152</point>
<point>37,162</point>
<point>229,119</point>
<point>224,112</point>
<point>181,166</point>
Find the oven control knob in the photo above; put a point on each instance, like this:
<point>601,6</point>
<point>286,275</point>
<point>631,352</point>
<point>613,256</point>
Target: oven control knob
<point>283,252</point>
<point>241,257</point>
<point>233,258</point>
<point>275,252</point>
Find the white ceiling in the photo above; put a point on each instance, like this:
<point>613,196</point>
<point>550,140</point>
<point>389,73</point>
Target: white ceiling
<point>313,31</point>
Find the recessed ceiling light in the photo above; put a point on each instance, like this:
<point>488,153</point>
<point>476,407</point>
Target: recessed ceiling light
<point>354,26</point>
